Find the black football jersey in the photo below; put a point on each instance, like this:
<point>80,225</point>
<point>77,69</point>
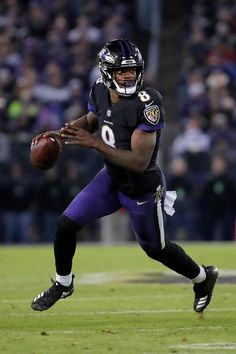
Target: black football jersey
<point>117,122</point>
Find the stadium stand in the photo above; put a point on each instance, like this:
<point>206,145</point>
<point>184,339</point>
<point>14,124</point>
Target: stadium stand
<point>207,120</point>
<point>47,65</point>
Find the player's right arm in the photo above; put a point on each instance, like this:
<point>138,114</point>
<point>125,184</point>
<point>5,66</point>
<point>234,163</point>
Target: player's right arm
<point>88,122</point>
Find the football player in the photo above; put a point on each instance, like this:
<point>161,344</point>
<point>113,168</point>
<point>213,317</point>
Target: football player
<point>129,117</point>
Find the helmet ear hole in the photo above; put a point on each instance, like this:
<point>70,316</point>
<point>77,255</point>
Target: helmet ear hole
<point>118,54</point>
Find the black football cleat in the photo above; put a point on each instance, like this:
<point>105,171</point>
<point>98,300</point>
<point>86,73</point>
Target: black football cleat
<point>48,298</point>
<point>203,291</point>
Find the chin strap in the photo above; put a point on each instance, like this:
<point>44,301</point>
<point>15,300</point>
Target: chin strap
<point>125,91</point>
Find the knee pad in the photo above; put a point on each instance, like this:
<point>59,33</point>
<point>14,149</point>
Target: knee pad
<point>66,227</point>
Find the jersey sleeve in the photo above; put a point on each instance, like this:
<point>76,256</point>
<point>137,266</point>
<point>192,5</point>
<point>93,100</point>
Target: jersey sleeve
<point>151,111</point>
<point>95,96</point>
<point>92,107</point>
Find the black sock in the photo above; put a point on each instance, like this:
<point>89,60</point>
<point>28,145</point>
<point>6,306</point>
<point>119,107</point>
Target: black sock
<point>65,244</point>
<point>175,258</point>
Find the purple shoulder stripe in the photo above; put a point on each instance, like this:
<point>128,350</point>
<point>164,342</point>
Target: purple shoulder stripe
<point>151,127</point>
<point>91,108</point>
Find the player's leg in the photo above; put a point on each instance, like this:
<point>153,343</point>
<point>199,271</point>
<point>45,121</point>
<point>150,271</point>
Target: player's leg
<point>147,217</point>
<point>148,222</point>
<point>98,199</point>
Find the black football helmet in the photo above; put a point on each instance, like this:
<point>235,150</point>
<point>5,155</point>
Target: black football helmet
<point>121,54</point>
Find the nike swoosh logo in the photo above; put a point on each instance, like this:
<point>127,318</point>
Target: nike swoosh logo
<point>149,104</point>
<point>140,203</point>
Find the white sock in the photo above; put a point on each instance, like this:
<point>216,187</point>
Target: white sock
<point>201,276</point>
<point>64,280</point>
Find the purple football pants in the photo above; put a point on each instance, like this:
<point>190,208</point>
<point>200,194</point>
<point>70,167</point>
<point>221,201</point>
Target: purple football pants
<point>100,198</point>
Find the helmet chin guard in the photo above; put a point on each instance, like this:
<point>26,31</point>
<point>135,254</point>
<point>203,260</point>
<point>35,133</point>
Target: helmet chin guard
<point>121,54</point>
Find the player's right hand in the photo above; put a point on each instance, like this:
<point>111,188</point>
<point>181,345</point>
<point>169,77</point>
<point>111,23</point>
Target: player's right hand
<point>54,133</point>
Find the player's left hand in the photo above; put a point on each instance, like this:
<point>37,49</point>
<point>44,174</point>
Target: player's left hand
<point>77,136</point>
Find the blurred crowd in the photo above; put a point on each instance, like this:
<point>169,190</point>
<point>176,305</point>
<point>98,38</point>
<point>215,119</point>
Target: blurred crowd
<point>48,58</point>
<point>48,62</point>
<point>47,65</point>
<point>203,155</point>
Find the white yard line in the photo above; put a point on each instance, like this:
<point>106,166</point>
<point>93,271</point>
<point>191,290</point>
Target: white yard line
<point>208,346</point>
<point>102,313</point>
<point>144,330</point>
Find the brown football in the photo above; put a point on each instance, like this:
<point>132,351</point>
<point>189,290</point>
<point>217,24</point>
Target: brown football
<point>45,153</point>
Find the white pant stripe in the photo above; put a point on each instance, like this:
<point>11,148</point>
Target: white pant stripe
<point>161,223</point>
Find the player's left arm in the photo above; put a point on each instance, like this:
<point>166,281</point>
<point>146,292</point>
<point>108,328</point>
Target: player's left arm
<point>136,159</point>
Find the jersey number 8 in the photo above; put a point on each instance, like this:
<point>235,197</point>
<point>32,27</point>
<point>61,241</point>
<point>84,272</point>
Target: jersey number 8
<point>144,96</point>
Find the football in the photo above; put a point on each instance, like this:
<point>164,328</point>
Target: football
<point>45,153</point>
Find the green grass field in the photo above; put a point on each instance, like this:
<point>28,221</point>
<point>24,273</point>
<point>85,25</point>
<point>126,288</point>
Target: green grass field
<point>123,303</point>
